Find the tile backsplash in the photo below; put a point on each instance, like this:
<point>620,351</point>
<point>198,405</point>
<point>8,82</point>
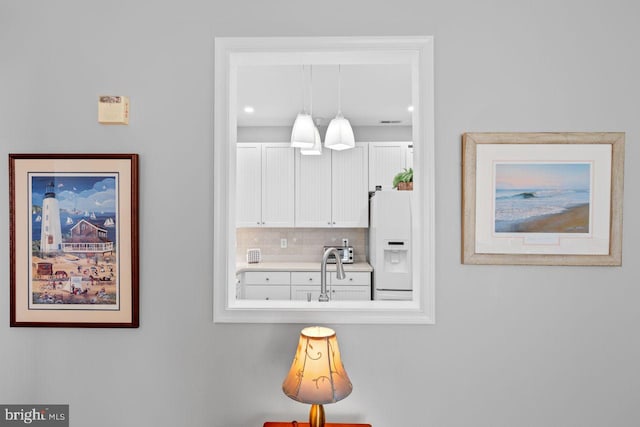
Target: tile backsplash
<point>303,244</point>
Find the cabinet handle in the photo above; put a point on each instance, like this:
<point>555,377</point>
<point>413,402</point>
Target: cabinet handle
<point>267,298</point>
<point>262,222</point>
<point>334,222</point>
<point>258,222</point>
<point>329,222</point>
<point>267,279</point>
<point>351,279</point>
<point>310,279</point>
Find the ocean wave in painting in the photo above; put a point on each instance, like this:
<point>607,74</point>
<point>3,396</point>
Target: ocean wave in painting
<point>515,206</point>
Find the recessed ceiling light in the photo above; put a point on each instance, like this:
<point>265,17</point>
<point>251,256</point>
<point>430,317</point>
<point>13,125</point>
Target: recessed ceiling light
<point>248,109</point>
<point>410,108</point>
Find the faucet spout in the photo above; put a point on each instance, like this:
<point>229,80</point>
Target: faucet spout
<point>324,296</point>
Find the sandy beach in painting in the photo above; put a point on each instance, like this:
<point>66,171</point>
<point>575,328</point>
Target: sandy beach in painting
<point>573,220</point>
<point>97,276</point>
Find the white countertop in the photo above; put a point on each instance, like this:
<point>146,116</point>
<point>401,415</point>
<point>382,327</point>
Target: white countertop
<point>299,266</point>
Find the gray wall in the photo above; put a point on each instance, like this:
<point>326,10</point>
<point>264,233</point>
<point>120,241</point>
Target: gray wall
<point>513,346</point>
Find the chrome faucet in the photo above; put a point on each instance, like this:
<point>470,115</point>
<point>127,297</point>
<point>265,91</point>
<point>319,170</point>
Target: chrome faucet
<point>324,297</point>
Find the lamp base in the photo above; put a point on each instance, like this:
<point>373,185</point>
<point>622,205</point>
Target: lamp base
<point>316,416</point>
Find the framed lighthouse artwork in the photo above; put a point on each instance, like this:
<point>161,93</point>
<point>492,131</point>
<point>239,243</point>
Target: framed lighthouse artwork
<point>74,240</point>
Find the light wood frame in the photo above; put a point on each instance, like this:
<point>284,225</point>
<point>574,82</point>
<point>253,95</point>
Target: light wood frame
<point>470,144</point>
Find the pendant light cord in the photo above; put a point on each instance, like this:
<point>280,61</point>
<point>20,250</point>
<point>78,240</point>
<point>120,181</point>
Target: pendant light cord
<point>304,91</point>
<point>339,89</point>
<point>311,90</point>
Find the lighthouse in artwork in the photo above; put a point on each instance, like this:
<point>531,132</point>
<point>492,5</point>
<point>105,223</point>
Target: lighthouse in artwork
<point>51,232</point>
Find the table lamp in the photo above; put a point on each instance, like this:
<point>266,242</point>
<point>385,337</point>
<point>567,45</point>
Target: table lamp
<point>317,375</point>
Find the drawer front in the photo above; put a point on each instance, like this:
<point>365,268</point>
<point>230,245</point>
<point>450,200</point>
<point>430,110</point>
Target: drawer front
<point>305,278</point>
<point>268,292</point>
<point>305,293</point>
<point>353,278</point>
<point>351,293</point>
<point>267,277</point>
<point>337,293</point>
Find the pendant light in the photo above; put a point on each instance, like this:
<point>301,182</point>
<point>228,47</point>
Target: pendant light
<point>316,149</point>
<point>339,134</point>
<point>303,134</point>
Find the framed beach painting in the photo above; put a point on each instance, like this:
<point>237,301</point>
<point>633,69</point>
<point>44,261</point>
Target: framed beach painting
<point>542,198</point>
<point>74,240</point>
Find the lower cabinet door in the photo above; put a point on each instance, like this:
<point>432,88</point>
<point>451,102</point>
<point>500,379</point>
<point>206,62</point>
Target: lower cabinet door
<point>350,293</point>
<point>267,292</point>
<point>305,293</point>
<point>336,293</point>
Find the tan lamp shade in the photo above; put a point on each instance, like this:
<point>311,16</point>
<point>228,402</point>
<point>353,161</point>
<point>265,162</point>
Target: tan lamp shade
<point>317,375</point>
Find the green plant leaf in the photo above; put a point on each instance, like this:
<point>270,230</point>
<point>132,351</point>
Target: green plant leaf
<point>405,176</point>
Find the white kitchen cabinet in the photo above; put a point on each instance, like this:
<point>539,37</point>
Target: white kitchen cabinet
<point>265,185</point>
<point>386,159</point>
<point>305,285</point>
<point>311,278</point>
<point>409,156</point>
<point>268,292</point>
<point>249,185</point>
<point>350,293</point>
<point>355,286</point>
<point>305,293</point>
<point>331,189</point>
<point>353,278</point>
<point>336,293</point>
<point>313,190</point>
<point>266,278</point>
<point>265,285</point>
<point>349,196</point>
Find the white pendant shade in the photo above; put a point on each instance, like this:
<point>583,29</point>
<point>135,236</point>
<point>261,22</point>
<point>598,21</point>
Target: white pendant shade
<point>316,150</point>
<point>303,134</point>
<point>339,134</point>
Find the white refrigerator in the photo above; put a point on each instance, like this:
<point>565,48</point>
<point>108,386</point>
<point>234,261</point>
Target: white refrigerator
<point>390,215</point>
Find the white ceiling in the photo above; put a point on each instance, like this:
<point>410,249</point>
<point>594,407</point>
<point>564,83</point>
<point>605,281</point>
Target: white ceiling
<point>370,94</point>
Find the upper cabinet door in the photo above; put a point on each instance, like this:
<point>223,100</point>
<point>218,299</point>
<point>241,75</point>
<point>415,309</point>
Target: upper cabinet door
<point>410,156</point>
<point>350,198</point>
<point>249,185</point>
<point>386,159</point>
<point>313,190</point>
<point>277,185</point>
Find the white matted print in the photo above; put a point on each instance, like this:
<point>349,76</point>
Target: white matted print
<point>542,198</point>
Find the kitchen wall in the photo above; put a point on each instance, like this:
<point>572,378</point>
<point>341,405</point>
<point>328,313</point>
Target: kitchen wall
<point>513,345</point>
<point>303,244</point>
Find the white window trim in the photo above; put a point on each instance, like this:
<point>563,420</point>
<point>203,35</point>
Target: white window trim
<point>226,308</point>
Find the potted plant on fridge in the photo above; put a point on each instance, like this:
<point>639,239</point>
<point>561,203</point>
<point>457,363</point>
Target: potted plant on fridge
<point>404,180</point>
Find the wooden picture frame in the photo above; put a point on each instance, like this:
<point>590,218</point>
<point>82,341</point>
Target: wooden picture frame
<point>74,240</point>
<point>542,198</point>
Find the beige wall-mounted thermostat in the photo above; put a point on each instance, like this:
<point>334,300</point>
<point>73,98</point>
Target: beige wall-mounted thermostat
<point>113,110</point>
